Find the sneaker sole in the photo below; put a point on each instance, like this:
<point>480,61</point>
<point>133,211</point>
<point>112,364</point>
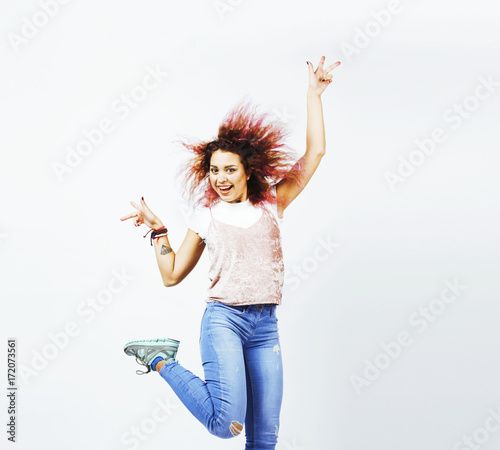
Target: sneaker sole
<point>154,344</point>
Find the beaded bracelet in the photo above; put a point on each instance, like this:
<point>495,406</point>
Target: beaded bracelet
<point>157,233</point>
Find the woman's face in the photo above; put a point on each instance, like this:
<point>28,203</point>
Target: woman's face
<point>228,177</point>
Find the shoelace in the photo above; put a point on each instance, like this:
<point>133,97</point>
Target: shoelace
<point>142,363</point>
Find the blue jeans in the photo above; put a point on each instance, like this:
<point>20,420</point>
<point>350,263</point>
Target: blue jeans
<point>241,356</point>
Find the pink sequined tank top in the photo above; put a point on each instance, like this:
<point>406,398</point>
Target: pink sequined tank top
<point>246,264</point>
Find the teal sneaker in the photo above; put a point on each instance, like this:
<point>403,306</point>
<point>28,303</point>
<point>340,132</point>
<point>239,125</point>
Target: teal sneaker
<point>145,351</point>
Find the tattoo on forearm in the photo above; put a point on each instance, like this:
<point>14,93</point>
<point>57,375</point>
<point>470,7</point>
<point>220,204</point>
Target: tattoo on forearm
<point>165,250</point>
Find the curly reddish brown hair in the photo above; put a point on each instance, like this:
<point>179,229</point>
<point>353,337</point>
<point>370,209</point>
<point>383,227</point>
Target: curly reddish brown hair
<point>260,146</point>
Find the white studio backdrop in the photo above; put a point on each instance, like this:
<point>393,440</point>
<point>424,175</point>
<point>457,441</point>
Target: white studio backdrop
<point>389,322</point>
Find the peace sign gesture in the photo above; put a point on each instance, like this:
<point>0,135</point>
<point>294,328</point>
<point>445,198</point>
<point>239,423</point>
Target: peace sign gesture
<point>320,79</point>
<point>143,215</point>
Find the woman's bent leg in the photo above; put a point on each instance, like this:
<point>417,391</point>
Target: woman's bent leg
<point>219,402</point>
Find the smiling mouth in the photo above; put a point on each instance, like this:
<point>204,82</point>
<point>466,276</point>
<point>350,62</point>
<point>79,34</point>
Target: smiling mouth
<point>225,190</point>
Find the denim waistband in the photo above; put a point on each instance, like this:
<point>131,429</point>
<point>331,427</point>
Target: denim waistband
<point>243,308</point>
<point>258,306</point>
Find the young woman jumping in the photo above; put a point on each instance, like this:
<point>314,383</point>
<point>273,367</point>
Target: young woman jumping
<point>246,181</point>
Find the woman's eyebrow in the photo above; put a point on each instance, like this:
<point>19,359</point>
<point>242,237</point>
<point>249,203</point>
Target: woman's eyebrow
<point>225,167</point>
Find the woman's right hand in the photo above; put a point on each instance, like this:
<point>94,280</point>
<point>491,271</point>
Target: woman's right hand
<point>143,215</point>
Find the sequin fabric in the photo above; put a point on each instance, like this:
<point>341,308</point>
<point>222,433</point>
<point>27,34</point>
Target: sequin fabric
<point>246,264</point>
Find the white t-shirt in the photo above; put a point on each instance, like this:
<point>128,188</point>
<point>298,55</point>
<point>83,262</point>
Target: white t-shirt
<point>242,214</point>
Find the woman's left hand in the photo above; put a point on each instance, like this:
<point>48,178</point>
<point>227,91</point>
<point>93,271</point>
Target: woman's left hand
<point>320,79</point>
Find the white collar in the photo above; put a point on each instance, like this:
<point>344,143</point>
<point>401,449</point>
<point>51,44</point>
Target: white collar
<point>233,206</point>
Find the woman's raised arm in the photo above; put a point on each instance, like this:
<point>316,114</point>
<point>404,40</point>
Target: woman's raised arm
<point>288,189</point>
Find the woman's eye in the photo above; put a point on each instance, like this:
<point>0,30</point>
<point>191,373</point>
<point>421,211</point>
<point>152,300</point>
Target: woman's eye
<point>230,170</point>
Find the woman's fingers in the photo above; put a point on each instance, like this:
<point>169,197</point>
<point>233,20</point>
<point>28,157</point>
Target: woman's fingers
<point>129,216</point>
<point>320,65</point>
<point>133,214</point>
<point>136,206</point>
<point>143,203</point>
<point>331,67</point>
<point>140,214</point>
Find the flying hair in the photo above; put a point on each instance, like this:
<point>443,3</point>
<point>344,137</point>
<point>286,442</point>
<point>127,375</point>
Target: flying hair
<point>260,144</point>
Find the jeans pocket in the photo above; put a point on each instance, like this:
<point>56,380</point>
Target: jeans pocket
<point>273,314</point>
<point>207,311</point>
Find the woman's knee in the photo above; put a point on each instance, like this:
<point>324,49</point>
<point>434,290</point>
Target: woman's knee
<point>235,428</point>
<point>226,430</point>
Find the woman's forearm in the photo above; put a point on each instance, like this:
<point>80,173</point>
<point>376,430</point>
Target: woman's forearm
<point>165,257</point>
<point>315,135</point>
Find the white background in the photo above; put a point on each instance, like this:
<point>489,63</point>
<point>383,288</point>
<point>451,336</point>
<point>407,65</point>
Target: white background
<point>62,242</point>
